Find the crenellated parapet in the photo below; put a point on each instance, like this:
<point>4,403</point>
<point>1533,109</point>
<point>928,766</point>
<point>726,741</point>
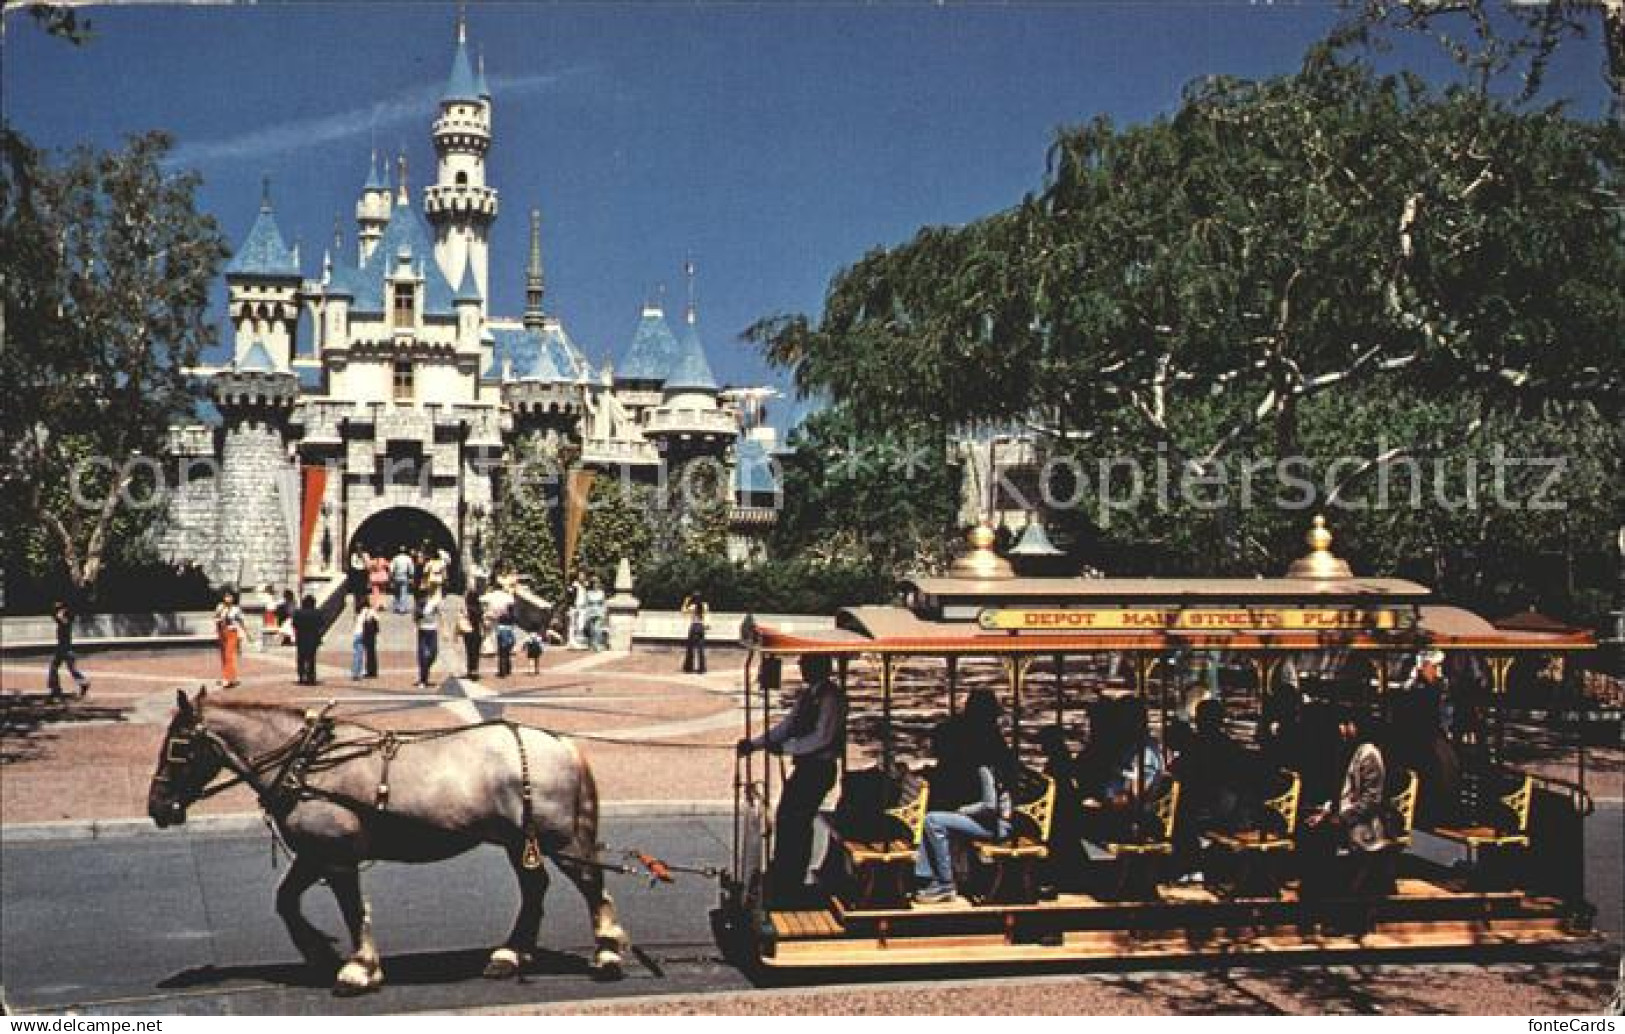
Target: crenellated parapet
<point>250,394</point>
<point>461,200</point>
<point>538,402</point>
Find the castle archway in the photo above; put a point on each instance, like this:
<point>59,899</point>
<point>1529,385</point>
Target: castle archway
<point>386,531</point>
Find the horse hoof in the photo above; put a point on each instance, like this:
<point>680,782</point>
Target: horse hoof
<point>357,978</point>
<point>505,963</point>
<point>606,965</point>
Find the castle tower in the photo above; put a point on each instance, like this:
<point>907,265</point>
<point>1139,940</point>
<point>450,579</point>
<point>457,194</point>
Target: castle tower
<point>257,503</point>
<point>689,421</point>
<point>372,211</point>
<point>459,205</point>
<point>262,289</point>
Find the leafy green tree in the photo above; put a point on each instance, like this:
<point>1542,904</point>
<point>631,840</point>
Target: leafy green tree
<point>522,526</point>
<point>1327,264</point>
<point>860,494</point>
<point>105,268</point>
<point>698,503</point>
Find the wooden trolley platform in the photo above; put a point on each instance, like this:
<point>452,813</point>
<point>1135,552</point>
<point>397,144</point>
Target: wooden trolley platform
<point>1186,923</point>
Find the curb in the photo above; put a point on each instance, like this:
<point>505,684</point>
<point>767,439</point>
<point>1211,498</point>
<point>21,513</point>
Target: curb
<point>253,822</point>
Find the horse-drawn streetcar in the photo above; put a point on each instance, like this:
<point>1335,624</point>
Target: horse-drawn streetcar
<point>1474,853</point>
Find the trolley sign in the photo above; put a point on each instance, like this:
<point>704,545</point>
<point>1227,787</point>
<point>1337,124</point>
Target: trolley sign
<point>1192,619</point>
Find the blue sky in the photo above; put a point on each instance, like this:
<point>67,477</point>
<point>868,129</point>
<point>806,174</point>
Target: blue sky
<point>773,142</point>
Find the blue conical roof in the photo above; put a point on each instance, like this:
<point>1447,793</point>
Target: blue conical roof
<point>653,349</point>
<point>461,86</point>
<point>407,234</point>
<point>689,369</point>
<point>263,252</point>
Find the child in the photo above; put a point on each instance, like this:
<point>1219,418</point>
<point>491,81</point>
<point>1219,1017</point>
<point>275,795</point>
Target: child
<point>533,650</point>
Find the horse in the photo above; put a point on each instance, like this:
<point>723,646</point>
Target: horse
<point>341,793</point>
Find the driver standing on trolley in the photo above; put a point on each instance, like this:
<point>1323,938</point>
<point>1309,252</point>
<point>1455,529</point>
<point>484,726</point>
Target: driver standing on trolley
<point>813,734</point>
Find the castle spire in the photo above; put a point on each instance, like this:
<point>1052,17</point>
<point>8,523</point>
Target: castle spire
<point>535,284</point>
<point>265,192</point>
<point>690,314</point>
<point>402,195</point>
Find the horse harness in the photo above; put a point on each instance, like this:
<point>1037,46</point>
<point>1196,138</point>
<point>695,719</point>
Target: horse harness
<point>314,749</point>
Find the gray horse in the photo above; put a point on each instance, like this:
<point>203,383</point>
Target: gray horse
<point>342,793</point>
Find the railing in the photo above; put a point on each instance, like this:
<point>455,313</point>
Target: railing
<point>693,421</point>
<point>630,452</point>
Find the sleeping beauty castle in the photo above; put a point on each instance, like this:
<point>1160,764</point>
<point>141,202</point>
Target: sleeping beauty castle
<point>401,419</point>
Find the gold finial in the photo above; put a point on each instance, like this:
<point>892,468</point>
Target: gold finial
<point>980,562</point>
<point>1319,562</point>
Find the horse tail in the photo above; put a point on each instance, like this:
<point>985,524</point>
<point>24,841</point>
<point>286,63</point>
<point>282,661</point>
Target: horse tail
<point>585,826</point>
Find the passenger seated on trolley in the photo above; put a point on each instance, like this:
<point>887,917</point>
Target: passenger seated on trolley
<point>1219,776</point>
<point>1112,810</point>
<point>954,779</point>
<point>1418,740</point>
<point>1066,856</point>
<point>972,742</point>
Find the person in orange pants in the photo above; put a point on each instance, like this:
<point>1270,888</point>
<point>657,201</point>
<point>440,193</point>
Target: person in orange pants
<point>230,631</point>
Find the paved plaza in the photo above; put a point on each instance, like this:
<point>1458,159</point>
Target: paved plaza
<point>650,732</point>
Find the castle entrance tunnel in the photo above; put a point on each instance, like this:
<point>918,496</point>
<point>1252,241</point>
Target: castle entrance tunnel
<point>387,531</point>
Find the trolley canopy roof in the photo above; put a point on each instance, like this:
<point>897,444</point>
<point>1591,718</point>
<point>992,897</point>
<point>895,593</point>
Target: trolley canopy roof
<point>1320,606</point>
<point>1068,616</point>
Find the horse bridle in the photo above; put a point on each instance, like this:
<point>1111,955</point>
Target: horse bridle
<point>276,795</point>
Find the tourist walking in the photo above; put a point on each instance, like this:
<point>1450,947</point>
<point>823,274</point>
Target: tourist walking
<point>502,610</point>
<point>284,617</point>
<point>578,613</point>
<point>358,639</point>
<point>230,632</point>
<point>377,580</point>
<point>471,626</point>
<point>697,612</point>
<point>401,572</point>
<point>427,617</point>
<point>369,640</point>
<point>63,616</point>
<point>355,576</point>
<point>307,636</point>
<point>597,620</point>
<point>434,573</point>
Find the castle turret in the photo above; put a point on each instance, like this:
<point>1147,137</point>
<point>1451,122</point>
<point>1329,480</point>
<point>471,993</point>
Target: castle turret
<point>258,493</point>
<point>689,421</point>
<point>459,205</point>
<point>262,290</point>
<point>372,211</point>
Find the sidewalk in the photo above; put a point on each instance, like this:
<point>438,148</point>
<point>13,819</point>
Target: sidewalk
<point>650,733</point>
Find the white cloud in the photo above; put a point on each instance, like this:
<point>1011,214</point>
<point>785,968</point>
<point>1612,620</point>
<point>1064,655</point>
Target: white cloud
<point>287,137</point>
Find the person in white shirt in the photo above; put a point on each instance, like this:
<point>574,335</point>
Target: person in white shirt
<point>401,573</point>
<point>578,613</point>
<point>813,733</point>
<point>427,618</point>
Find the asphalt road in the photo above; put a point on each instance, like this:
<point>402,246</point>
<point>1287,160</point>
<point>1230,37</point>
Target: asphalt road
<point>180,922</point>
<point>183,922</point>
